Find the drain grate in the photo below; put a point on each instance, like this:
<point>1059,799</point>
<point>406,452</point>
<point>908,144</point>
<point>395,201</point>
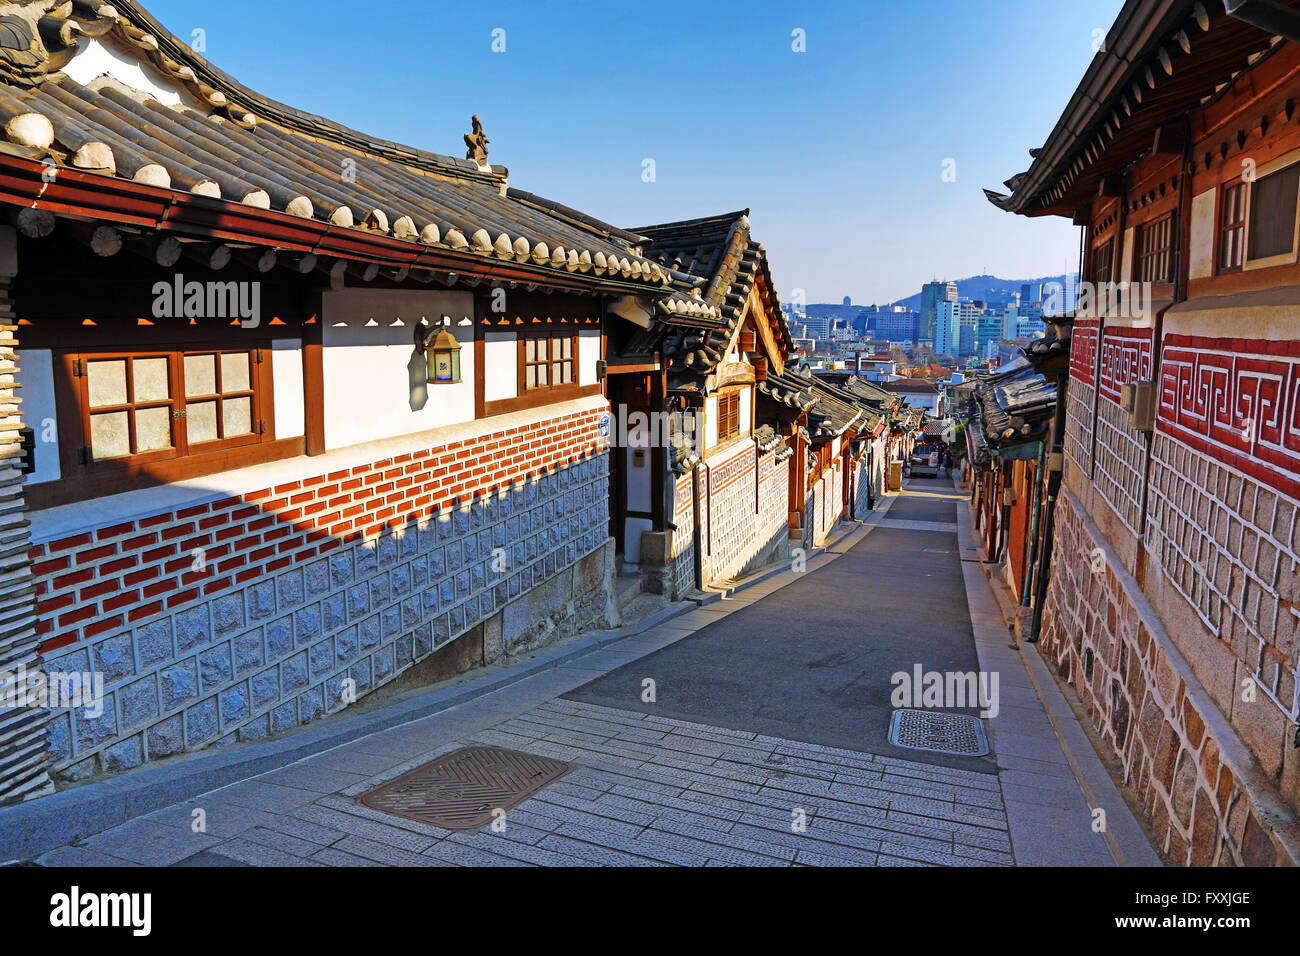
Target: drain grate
<point>460,790</point>
<point>938,732</point>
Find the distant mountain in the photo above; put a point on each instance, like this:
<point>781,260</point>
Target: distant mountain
<point>984,288</point>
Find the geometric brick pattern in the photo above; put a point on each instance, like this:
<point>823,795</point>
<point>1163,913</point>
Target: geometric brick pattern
<point>1125,356</point>
<point>1120,463</point>
<point>1231,547</point>
<point>89,584</point>
<point>733,509</point>
<point>683,536</point>
<point>744,513</point>
<point>827,501</point>
<point>1119,466</point>
<point>1237,400</point>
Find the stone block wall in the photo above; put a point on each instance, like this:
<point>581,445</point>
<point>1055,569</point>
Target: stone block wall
<point>1202,794</point>
<point>827,501</point>
<point>247,615</point>
<point>682,540</point>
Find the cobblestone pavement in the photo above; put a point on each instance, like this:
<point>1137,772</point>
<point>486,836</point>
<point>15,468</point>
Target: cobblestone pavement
<point>645,789</point>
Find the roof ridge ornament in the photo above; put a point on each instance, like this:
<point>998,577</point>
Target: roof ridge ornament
<point>477,145</point>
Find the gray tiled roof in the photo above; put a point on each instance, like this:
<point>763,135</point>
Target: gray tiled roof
<point>712,263</point>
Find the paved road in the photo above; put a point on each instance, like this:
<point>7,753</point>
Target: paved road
<point>814,660</point>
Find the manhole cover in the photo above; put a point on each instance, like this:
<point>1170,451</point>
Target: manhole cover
<point>938,733</point>
<point>460,790</point>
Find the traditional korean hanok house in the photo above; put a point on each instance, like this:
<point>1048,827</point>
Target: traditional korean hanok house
<point>920,393</point>
<point>1014,410</point>
<point>1172,604</point>
<point>869,450</point>
<point>710,502</point>
<point>304,409</point>
<point>832,428</point>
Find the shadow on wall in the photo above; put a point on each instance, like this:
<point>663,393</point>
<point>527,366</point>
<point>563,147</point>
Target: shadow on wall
<point>417,373</point>
<point>245,616</point>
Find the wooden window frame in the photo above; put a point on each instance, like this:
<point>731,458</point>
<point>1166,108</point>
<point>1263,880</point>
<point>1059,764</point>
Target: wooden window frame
<point>538,396</point>
<point>1223,228</point>
<point>1252,194</point>
<point>730,427</point>
<point>553,338</point>
<point>81,477</point>
<point>1108,245</point>
<point>1164,253</point>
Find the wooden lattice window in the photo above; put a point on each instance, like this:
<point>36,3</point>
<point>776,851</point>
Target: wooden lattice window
<point>1103,257</point>
<point>1155,245</point>
<point>1232,226</point>
<point>729,424</point>
<point>137,407</point>
<point>547,361</point>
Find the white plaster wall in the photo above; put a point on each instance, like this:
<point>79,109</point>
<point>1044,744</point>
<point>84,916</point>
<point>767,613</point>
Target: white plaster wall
<point>375,380</point>
<point>36,376</point>
<point>286,376</point>
<point>710,421</point>
<point>638,477</point>
<point>1200,260</point>
<point>746,400</point>
<point>500,366</point>
<point>588,356</point>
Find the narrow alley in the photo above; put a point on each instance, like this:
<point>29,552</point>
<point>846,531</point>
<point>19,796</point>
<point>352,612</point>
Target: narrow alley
<point>765,743</point>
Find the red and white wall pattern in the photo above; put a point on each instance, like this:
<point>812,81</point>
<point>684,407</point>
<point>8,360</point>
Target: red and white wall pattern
<point>245,615</point>
<point>1184,646</point>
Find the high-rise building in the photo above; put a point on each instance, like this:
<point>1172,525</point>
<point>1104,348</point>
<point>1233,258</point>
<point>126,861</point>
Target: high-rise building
<point>988,328</point>
<point>1023,322</point>
<point>949,319</point>
<point>966,339</point>
<point>898,326</point>
<point>932,293</point>
<point>819,326</point>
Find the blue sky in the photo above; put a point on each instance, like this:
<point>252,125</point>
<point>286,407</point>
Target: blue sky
<point>838,151</point>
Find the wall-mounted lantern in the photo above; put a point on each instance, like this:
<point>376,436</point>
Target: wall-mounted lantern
<point>441,352</point>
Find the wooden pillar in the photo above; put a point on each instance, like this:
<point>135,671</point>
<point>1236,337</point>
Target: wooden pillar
<point>313,373</point>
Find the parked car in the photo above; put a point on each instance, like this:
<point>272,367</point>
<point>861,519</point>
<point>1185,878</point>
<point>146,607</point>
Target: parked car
<point>925,460</point>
